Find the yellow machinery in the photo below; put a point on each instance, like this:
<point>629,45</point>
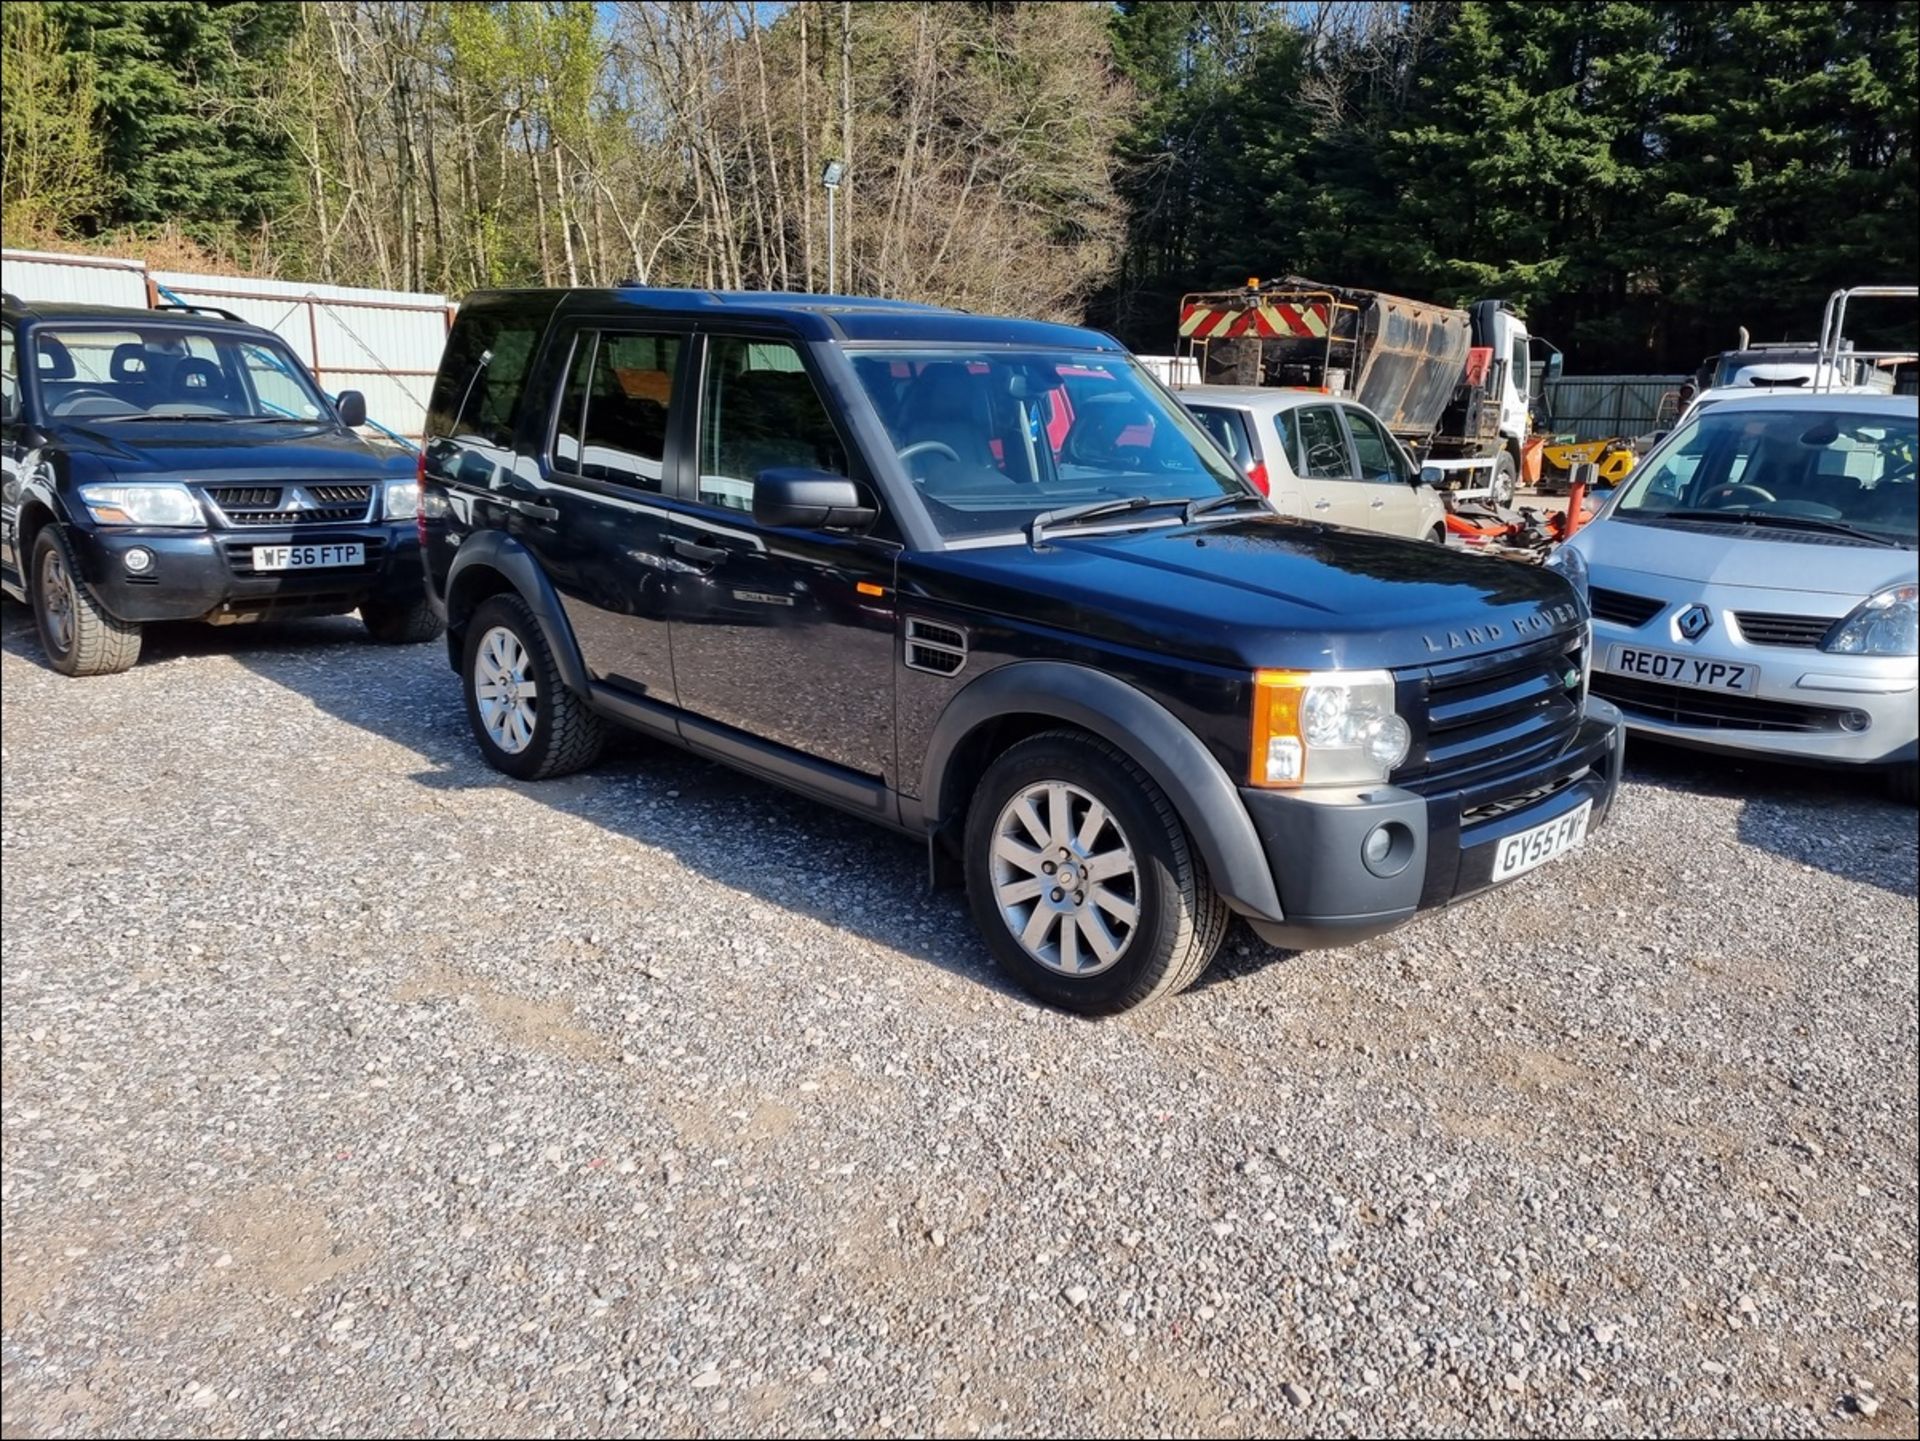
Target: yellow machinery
<point>1612,458</point>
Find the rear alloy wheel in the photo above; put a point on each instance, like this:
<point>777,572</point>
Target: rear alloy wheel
<point>526,720</point>
<point>1081,878</point>
<point>79,637</point>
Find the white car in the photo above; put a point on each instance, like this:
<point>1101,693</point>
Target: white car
<point>1753,582</point>
<point>1320,458</point>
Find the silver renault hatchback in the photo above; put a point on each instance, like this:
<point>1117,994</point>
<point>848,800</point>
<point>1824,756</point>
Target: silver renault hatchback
<point>1753,583</point>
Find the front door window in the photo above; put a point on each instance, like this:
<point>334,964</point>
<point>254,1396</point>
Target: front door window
<point>761,412</point>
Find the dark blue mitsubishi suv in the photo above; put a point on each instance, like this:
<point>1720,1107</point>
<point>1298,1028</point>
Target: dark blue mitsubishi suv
<point>177,464</point>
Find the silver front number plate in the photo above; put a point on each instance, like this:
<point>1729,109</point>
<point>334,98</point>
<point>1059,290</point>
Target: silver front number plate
<point>307,557</point>
<point>1683,669</point>
<point>1521,853</point>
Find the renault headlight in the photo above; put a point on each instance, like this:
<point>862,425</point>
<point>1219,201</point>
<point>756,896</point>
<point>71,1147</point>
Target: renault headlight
<point>403,500</point>
<point>172,505</point>
<point>1325,728</point>
<point>1571,566</point>
<point>1884,624</point>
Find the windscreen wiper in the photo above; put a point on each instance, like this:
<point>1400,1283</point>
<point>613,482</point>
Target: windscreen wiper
<point>1198,508</point>
<point>1048,520</point>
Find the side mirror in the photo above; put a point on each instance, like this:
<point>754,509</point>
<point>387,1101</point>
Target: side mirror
<point>1432,475</point>
<point>1555,362</point>
<point>806,499</point>
<point>352,406</point>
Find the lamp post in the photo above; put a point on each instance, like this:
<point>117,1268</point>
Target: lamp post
<point>831,177</point>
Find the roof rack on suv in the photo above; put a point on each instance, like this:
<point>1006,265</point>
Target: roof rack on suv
<point>202,309</point>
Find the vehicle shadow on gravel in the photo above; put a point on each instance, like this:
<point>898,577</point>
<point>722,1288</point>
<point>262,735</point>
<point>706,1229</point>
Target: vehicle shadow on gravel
<point>779,849</point>
<point>1839,821</point>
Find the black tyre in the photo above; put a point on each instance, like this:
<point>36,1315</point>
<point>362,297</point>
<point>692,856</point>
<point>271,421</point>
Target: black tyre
<point>1438,535</point>
<point>526,720</point>
<point>78,636</point>
<point>1905,784</point>
<point>1506,478</point>
<point>401,622</point>
<point>1082,880</point>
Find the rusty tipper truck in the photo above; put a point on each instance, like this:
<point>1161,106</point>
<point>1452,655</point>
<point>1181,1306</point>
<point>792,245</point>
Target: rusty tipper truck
<point>1453,385</point>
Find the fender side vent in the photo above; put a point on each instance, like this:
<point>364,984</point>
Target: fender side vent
<point>940,649</point>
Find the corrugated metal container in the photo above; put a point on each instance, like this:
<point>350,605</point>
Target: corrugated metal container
<point>73,279</point>
<point>383,343</point>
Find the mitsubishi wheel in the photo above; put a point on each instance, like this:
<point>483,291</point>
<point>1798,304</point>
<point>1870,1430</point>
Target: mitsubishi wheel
<point>1082,880</point>
<point>526,720</point>
<point>79,637</point>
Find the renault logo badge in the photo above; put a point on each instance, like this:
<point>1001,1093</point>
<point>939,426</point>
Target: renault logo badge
<point>1694,621</point>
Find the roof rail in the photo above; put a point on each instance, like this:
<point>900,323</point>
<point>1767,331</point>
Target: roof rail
<point>1826,370</point>
<point>202,309</point>
<point>9,298</point>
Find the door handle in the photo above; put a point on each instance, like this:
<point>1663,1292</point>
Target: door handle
<point>692,550</point>
<point>524,507</point>
<point>1323,504</point>
<point>1376,504</point>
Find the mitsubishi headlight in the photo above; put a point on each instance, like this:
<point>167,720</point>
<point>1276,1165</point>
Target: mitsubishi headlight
<point>402,500</point>
<point>1571,566</point>
<point>1325,728</point>
<point>164,504</point>
<point>1884,624</point>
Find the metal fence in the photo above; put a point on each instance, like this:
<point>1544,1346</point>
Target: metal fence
<point>1597,407</point>
<point>383,343</point>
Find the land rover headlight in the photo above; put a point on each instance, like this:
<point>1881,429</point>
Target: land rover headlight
<point>171,505</point>
<point>1884,624</point>
<point>403,499</point>
<point>1325,728</point>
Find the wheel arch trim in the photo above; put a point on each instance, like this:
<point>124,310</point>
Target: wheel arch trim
<point>497,551</point>
<point>1153,737</point>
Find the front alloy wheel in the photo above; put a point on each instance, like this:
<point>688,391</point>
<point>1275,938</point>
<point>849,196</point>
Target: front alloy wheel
<point>1065,878</point>
<point>78,634</point>
<point>1082,879</point>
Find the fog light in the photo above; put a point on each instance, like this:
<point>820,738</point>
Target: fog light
<point>1387,849</point>
<point>1855,721</point>
<point>138,561</point>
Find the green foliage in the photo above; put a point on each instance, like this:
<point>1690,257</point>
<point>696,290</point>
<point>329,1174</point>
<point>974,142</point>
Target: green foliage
<point>186,135</point>
<point>1641,177</point>
<point>50,152</point>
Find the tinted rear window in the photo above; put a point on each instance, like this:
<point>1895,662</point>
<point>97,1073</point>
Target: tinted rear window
<point>484,369</point>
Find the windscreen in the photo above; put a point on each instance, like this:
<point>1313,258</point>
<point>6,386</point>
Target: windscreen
<point>993,438</point>
<point>103,374</point>
<point>1795,464</point>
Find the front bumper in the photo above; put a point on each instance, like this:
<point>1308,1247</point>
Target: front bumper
<point>1809,705</point>
<point>209,575</point>
<point>1313,841</point>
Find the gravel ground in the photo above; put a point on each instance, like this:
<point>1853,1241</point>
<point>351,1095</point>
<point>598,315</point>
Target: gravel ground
<point>350,1088</point>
